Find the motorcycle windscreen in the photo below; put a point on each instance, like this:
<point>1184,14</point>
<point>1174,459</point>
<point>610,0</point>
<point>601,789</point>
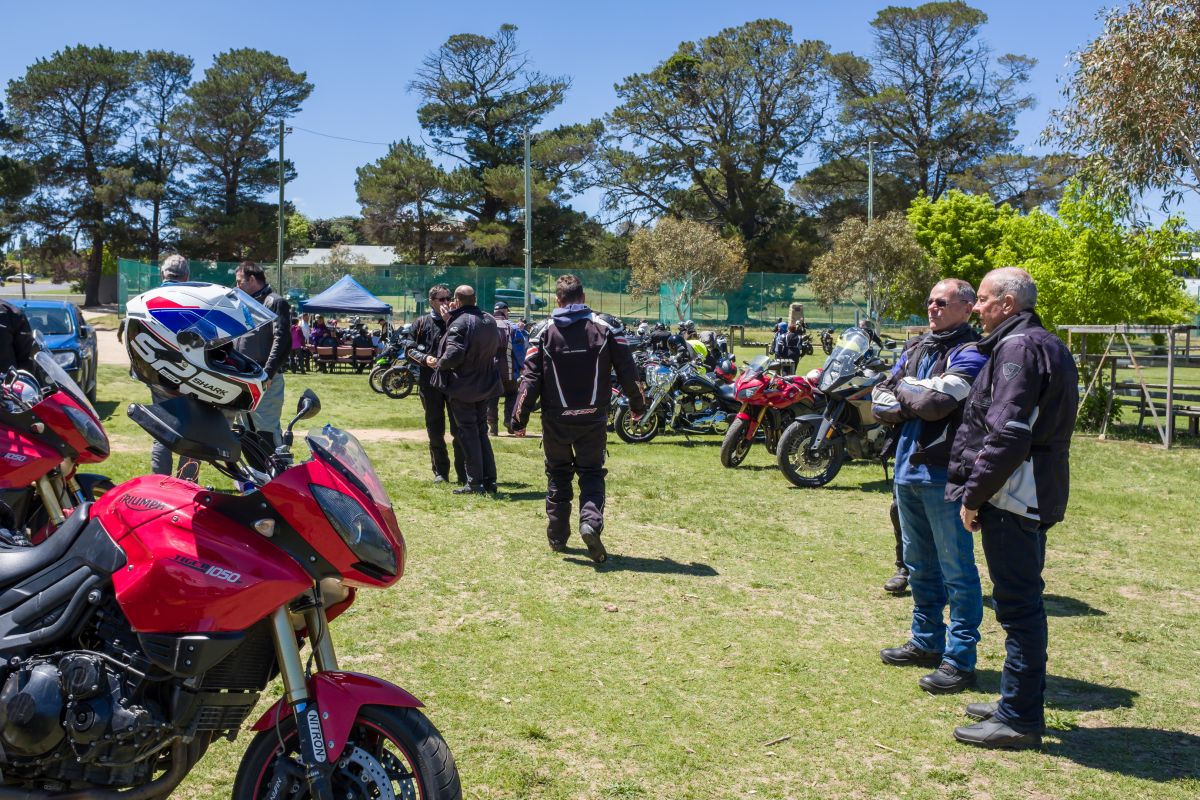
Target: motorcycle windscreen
<point>841,362</point>
<point>59,377</point>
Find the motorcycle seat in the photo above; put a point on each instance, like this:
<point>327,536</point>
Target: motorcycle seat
<point>18,563</point>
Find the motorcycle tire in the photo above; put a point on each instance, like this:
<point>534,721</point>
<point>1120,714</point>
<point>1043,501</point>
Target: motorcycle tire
<point>397,383</point>
<point>399,744</point>
<point>799,465</point>
<point>376,379</point>
<point>636,432</point>
<point>735,445</point>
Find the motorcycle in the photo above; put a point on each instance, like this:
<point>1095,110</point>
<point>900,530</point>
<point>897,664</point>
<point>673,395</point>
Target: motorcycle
<point>680,397</point>
<point>398,381</point>
<point>813,447</point>
<point>149,623</point>
<point>769,404</point>
<point>47,430</point>
<point>386,360</point>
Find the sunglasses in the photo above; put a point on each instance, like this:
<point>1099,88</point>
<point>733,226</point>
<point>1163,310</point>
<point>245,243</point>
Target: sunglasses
<point>442,299</point>
<point>940,302</point>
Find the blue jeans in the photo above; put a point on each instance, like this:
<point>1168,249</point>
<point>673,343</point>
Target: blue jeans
<point>940,555</point>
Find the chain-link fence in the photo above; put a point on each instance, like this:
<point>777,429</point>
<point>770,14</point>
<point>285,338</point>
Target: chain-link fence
<point>762,298</point>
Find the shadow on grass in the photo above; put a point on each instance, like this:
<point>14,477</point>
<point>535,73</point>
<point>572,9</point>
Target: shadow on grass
<point>880,485</point>
<point>682,442</point>
<point>654,566</point>
<point>1060,606</point>
<point>106,408</point>
<point>1147,753</point>
<point>1067,694</point>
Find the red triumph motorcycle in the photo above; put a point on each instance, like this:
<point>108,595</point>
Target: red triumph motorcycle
<point>147,626</point>
<point>47,430</point>
<point>769,404</point>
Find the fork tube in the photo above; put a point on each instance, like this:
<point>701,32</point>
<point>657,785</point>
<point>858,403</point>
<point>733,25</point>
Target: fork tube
<point>50,499</point>
<point>291,668</point>
<point>321,639</point>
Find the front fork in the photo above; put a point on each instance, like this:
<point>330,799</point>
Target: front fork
<point>313,745</point>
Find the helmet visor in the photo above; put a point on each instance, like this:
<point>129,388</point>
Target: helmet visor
<point>213,324</point>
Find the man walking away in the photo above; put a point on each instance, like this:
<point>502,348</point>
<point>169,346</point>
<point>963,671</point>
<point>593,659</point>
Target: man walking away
<point>428,332</point>
<point>568,367</point>
<point>268,346</point>
<point>924,397</point>
<point>509,368</point>
<point>465,369</point>
<point>1010,468</point>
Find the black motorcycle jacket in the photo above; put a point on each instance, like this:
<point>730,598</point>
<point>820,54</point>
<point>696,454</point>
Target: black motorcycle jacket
<point>427,332</point>
<point>1013,447</point>
<point>16,339</point>
<point>568,367</point>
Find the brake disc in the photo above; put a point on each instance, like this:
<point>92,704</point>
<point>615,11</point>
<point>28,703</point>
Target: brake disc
<point>372,774</point>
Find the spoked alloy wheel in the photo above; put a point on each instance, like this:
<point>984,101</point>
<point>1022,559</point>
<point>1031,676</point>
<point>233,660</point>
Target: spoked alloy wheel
<point>391,754</point>
<point>638,432</point>
<point>397,383</point>
<point>804,466</point>
<point>735,446</point>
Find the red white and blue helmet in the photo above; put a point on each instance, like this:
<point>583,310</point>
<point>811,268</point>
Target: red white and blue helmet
<point>180,340</point>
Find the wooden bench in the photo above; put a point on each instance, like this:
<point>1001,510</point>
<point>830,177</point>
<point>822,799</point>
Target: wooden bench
<point>1185,401</point>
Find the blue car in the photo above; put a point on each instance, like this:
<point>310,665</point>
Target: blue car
<point>71,340</point>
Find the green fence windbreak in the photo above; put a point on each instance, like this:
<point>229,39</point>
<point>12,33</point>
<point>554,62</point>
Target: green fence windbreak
<point>763,297</point>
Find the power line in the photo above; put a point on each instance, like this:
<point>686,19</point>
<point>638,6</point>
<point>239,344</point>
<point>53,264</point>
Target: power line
<point>341,138</point>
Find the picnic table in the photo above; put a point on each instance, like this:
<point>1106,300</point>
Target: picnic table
<point>1185,400</point>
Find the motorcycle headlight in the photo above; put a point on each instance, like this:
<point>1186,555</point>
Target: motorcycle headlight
<point>747,392</point>
<point>97,442</point>
<point>66,359</point>
<point>357,529</point>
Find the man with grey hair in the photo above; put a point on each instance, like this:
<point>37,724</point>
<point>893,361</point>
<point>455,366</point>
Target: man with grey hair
<point>1009,468</point>
<point>923,399</point>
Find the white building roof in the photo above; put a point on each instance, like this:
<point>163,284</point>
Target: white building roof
<point>371,254</point>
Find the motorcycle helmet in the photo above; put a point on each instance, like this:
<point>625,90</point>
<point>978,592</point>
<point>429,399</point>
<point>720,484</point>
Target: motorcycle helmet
<point>726,369</point>
<point>687,326</point>
<point>180,340</point>
<point>612,322</point>
<point>21,389</point>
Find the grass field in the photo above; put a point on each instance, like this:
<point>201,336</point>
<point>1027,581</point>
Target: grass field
<point>729,647</point>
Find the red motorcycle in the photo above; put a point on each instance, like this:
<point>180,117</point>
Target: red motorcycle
<point>147,626</point>
<point>47,430</point>
<point>769,403</point>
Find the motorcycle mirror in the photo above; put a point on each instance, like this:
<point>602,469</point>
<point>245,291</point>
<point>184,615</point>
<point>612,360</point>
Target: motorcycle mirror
<point>309,405</point>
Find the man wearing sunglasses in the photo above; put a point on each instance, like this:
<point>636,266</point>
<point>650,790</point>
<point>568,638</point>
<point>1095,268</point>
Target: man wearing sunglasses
<point>923,398</point>
<point>428,332</point>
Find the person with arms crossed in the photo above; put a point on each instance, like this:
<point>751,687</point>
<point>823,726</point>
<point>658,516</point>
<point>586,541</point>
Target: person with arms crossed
<point>923,397</point>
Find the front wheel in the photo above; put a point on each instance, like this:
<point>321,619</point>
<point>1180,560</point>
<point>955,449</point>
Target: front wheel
<point>638,432</point>
<point>397,382</point>
<point>735,445</point>
<point>804,466</point>
<point>376,378</point>
<point>391,752</point>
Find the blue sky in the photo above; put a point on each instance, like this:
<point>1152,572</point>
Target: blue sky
<point>361,55</point>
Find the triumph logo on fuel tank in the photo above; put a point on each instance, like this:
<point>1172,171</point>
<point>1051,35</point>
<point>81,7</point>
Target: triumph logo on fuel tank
<point>315,735</point>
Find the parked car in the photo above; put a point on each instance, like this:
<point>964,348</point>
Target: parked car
<point>70,340</point>
<point>20,277</point>
<point>295,297</point>
<point>516,298</point>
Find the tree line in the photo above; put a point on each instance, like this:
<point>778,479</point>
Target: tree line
<point>753,134</point>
